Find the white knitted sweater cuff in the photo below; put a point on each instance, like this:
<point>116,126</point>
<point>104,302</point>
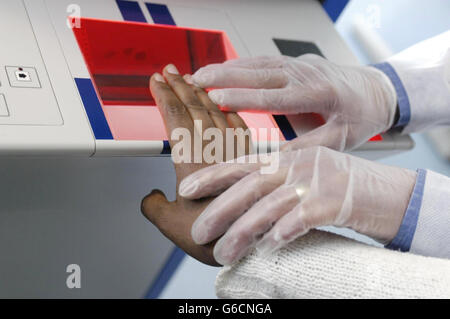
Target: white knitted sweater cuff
<point>325,265</point>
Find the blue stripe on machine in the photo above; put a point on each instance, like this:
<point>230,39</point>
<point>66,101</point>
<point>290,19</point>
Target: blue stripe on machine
<point>166,148</point>
<point>167,271</point>
<point>93,109</point>
<point>285,127</point>
<point>160,13</point>
<point>131,11</point>
<point>334,8</point>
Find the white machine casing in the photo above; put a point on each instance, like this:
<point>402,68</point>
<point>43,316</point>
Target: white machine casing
<point>44,112</point>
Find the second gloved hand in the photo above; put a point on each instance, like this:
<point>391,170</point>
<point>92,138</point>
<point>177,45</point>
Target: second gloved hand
<point>356,102</point>
<point>313,187</point>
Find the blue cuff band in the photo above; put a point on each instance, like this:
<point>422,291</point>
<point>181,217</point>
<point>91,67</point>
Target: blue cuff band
<point>402,97</point>
<point>405,235</point>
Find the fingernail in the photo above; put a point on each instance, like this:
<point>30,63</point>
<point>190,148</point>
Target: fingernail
<point>222,257</point>
<point>203,78</point>
<point>266,247</point>
<point>188,79</point>
<point>197,233</point>
<point>216,96</point>
<point>172,69</point>
<point>187,187</point>
<point>228,250</point>
<point>158,77</point>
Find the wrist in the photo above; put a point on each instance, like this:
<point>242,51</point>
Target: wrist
<point>382,209</point>
<point>388,98</point>
<point>379,200</point>
<point>402,100</point>
<point>404,236</point>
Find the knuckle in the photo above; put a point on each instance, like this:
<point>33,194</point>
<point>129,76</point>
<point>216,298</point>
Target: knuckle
<point>215,113</point>
<point>312,214</point>
<point>304,220</point>
<point>329,91</point>
<point>197,90</point>
<point>177,80</point>
<point>271,99</point>
<point>243,235</point>
<point>165,89</point>
<point>283,77</point>
<point>190,99</point>
<point>264,76</point>
<point>174,108</point>
<point>284,236</point>
<point>255,178</point>
<point>192,105</point>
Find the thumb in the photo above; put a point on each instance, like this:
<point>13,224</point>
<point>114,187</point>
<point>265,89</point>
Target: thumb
<point>154,205</point>
<point>329,135</point>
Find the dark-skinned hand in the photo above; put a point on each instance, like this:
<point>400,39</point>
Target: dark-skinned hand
<point>180,103</point>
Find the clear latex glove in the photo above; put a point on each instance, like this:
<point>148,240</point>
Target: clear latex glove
<point>356,102</point>
<point>313,187</point>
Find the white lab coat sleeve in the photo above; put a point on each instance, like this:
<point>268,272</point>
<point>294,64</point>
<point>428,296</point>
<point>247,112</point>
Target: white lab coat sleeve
<point>423,71</point>
<point>425,229</point>
<point>432,233</point>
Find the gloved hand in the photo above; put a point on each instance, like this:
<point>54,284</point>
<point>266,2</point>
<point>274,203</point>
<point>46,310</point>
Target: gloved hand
<point>313,187</point>
<point>356,102</point>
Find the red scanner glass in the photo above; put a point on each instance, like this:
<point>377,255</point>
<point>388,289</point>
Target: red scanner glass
<point>121,56</point>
